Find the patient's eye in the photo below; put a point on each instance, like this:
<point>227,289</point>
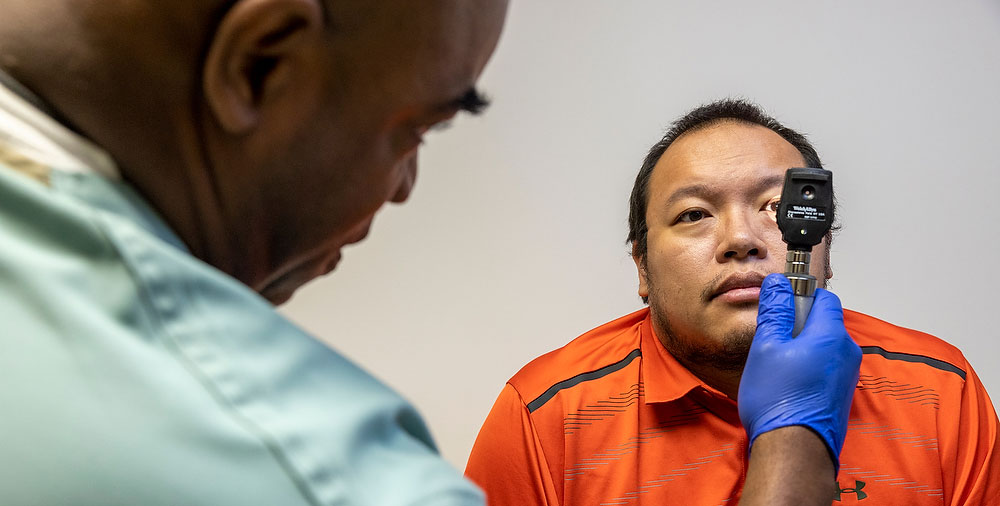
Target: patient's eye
<point>771,207</point>
<point>691,216</point>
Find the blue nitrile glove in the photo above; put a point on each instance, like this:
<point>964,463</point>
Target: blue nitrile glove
<point>808,380</point>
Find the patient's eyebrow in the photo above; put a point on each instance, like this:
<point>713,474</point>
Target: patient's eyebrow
<point>764,183</point>
<point>691,190</point>
<point>713,192</point>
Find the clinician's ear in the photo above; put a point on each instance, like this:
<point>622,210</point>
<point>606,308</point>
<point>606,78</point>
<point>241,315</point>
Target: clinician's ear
<point>259,50</point>
<point>640,267</point>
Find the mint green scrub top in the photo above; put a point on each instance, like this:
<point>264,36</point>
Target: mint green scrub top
<point>132,373</point>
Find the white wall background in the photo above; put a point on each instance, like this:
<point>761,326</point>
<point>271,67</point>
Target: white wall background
<point>513,242</point>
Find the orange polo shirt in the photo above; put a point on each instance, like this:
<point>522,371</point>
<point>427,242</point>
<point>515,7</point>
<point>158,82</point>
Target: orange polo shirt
<point>613,419</point>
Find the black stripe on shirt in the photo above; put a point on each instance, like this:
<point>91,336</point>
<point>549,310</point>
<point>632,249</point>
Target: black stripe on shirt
<point>580,378</point>
<point>908,357</point>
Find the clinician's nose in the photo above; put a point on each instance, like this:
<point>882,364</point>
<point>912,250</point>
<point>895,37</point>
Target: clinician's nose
<point>408,179</point>
<point>741,237</point>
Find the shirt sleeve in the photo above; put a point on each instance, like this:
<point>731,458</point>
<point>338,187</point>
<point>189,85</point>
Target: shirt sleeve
<point>970,463</point>
<point>507,460</point>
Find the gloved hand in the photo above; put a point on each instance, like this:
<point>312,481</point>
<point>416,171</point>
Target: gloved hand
<point>808,380</point>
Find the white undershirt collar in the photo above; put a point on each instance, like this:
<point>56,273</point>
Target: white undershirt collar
<point>28,130</point>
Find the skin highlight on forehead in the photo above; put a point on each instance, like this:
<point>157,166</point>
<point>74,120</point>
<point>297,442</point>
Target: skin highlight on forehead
<point>725,143</point>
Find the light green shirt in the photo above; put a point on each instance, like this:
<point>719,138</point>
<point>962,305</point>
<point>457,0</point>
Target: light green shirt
<point>131,373</point>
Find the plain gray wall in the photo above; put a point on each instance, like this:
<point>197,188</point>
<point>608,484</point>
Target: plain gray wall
<point>513,242</point>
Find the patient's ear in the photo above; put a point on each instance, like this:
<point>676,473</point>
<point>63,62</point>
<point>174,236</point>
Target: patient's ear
<point>828,269</point>
<point>640,267</point>
<point>260,50</point>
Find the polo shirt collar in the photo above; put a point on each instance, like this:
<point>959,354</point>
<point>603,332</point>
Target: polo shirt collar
<point>664,378</point>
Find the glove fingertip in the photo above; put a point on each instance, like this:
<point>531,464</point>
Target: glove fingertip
<point>776,307</point>
<point>827,300</point>
<point>776,281</point>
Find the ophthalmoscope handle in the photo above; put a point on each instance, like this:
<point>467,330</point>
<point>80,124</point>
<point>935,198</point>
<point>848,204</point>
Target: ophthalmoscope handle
<point>803,304</point>
<point>803,285</point>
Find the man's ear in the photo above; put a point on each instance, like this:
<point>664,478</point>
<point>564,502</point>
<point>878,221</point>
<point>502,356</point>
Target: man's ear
<point>639,257</point>
<point>257,50</point>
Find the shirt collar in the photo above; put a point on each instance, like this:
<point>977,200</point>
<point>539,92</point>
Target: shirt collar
<point>27,129</point>
<point>664,378</point>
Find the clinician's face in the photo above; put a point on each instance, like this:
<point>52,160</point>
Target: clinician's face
<point>387,81</point>
<point>711,239</point>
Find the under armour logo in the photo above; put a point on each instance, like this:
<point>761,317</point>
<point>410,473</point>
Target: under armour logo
<point>858,485</point>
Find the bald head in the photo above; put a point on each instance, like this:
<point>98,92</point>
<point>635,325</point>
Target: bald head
<point>266,132</point>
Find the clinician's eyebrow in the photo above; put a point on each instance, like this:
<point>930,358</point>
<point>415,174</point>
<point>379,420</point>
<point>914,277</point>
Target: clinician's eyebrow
<point>472,101</point>
<point>711,192</point>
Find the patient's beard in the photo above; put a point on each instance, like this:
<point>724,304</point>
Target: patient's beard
<point>728,354</point>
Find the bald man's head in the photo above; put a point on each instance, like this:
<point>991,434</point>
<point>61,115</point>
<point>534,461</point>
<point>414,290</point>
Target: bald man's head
<point>267,132</point>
